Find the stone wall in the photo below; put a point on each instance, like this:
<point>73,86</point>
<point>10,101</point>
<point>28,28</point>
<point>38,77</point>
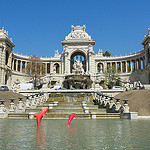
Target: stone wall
<point>131,67</point>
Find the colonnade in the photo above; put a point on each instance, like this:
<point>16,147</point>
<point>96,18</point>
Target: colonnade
<point>124,66</point>
<point>20,65</point>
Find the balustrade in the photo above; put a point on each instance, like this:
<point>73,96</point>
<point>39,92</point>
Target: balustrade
<point>107,102</point>
<point>3,110</point>
<point>21,105</point>
<point>12,107</point>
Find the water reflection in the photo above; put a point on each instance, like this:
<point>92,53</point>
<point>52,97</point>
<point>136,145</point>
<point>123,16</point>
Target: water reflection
<point>71,137</point>
<point>40,139</point>
<point>71,132</point>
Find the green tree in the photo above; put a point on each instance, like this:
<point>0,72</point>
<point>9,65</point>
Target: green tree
<point>107,53</point>
<point>112,78</point>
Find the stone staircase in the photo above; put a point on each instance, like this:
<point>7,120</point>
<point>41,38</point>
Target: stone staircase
<point>64,107</point>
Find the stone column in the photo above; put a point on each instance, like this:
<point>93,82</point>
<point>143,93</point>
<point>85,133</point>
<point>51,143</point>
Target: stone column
<point>143,63</point>
<point>121,66</point>
<point>126,66</point>
<point>25,67</point>
<point>131,66</point>
<point>134,65</point>
<point>116,67</point>
<point>87,64</point>
<point>146,55</point>
<point>110,65</point>
<point>66,64</point>
<point>13,64</point>
<point>62,64</point>
<point>17,65</point>
<point>51,67</point>
<point>45,68</point>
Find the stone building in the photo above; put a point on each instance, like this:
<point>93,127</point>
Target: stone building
<point>78,57</point>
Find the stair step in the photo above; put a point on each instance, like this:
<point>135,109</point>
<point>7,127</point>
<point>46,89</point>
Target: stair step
<point>65,115</point>
<point>108,115</point>
<point>18,115</point>
<point>65,107</point>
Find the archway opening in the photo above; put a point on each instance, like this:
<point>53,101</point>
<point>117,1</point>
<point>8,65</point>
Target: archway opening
<point>80,58</point>
<point>56,68</point>
<point>7,56</point>
<point>100,68</point>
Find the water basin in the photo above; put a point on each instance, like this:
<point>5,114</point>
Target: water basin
<point>82,134</point>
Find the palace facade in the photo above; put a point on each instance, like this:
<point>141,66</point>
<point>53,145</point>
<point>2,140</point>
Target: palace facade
<point>78,56</point>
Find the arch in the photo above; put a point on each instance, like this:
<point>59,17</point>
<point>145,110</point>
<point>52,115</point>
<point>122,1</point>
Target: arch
<point>56,68</point>
<point>81,57</point>
<point>100,68</point>
<point>48,67</point>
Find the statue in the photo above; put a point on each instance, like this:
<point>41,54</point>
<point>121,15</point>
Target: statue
<point>100,52</point>
<point>56,53</point>
<point>78,67</point>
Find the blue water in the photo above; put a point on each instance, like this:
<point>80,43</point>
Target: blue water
<point>81,135</point>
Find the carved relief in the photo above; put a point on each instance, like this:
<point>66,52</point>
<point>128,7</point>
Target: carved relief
<point>78,32</point>
<point>77,35</point>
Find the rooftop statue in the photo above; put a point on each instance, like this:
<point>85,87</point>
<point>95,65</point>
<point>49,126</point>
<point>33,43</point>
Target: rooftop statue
<point>56,53</point>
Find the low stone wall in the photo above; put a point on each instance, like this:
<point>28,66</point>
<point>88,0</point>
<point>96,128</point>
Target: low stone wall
<point>147,86</point>
<point>105,91</point>
<point>130,115</point>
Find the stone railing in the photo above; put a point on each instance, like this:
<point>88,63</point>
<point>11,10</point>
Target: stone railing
<point>31,102</point>
<point>113,105</point>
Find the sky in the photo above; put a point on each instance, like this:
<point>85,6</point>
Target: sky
<point>37,27</point>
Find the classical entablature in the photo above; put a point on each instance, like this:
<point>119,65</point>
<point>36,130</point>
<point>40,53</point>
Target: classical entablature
<point>77,56</point>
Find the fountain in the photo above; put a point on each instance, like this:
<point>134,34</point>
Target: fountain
<point>78,79</point>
